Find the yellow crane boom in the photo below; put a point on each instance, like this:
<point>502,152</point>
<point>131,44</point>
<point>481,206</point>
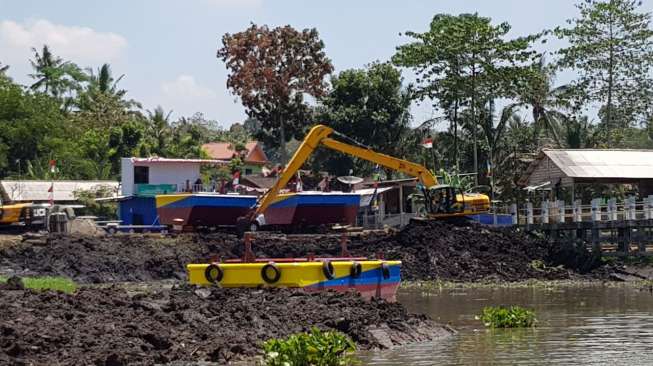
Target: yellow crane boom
<point>437,201</point>
<point>320,134</point>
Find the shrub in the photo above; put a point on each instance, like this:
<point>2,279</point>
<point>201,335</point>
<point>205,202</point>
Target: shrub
<point>316,348</point>
<point>507,317</point>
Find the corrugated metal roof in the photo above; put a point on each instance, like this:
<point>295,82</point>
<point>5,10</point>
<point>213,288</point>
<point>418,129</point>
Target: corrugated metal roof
<point>594,163</point>
<point>37,190</point>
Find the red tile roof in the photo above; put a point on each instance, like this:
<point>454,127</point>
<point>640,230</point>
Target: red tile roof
<point>224,151</point>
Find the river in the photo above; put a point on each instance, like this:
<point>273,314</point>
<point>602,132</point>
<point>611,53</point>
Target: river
<point>589,325</point>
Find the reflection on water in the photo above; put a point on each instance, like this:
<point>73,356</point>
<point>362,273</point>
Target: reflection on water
<point>592,325</point>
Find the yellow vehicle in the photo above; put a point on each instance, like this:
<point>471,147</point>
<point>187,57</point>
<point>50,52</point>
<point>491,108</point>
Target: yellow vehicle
<point>14,214</point>
<point>439,201</point>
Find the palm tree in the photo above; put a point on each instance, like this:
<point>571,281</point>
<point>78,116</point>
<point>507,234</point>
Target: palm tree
<point>54,75</point>
<point>578,133</point>
<point>494,134</point>
<point>159,128</point>
<point>104,82</point>
<point>103,85</point>
<point>545,101</point>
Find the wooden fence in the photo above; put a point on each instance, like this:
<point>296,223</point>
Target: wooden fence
<point>604,223</point>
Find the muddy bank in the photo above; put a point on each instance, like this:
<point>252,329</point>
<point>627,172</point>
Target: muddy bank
<point>428,251</point>
<point>112,327</point>
<point>443,251</point>
<point>89,259</point>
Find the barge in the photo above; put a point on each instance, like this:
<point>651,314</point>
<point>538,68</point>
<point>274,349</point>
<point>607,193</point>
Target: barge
<point>308,208</point>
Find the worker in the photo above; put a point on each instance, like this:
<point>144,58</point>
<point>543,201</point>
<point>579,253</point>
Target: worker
<point>436,202</point>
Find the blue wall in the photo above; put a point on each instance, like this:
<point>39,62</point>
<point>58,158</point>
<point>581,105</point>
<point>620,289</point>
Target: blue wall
<point>134,209</point>
<point>488,219</point>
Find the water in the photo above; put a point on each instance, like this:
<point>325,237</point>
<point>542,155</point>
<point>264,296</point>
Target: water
<point>592,325</point>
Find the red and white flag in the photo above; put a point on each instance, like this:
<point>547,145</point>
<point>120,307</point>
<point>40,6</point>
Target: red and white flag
<point>53,166</point>
<point>51,194</point>
<point>236,178</point>
<point>427,143</point>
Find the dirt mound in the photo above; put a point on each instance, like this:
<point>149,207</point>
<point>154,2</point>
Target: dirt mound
<point>110,327</point>
<point>432,250</point>
<point>90,259</point>
<point>437,250</point>
<point>13,283</point>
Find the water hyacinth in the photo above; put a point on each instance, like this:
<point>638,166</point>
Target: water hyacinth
<point>507,317</point>
<point>316,348</point>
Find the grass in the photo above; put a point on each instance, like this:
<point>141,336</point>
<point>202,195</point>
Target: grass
<point>507,317</point>
<point>60,284</point>
<point>641,260</point>
<point>439,285</point>
<point>317,348</point>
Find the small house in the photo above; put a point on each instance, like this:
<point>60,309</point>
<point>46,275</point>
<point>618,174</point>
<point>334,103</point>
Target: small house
<point>254,158</point>
<point>568,168</point>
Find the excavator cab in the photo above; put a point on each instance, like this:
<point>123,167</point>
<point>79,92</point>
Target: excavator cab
<point>445,199</point>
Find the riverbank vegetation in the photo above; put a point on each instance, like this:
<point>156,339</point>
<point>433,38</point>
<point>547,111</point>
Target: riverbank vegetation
<point>496,97</point>
<point>45,283</point>
<point>507,317</point>
<point>318,348</point>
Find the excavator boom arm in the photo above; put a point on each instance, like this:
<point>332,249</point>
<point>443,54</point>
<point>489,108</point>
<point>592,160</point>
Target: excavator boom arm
<point>400,165</point>
<point>320,134</point>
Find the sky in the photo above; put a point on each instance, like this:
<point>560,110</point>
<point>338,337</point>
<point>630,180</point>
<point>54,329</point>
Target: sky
<point>166,49</point>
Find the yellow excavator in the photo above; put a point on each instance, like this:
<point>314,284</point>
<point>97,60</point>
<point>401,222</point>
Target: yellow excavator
<point>12,215</point>
<point>440,202</point>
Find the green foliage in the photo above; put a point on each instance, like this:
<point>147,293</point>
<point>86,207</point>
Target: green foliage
<point>466,60</point>
<point>507,317</point>
<point>85,122</point>
<point>104,210</point>
<point>372,107</point>
<point>56,77</point>
<point>60,284</point>
<point>611,48</point>
<point>316,348</point>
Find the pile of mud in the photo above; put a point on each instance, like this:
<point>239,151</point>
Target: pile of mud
<point>111,327</point>
<point>444,251</point>
<point>437,250</point>
<point>89,259</point>
<point>433,250</point>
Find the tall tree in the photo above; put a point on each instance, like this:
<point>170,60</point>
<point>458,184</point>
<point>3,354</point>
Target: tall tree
<point>271,70</point>
<point>547,102</point>
<point>372,107</point>
<point>53,75</point>
<point>611,47</point>
<point>32,127</point>
<point>159,129</point>
<point>103,88</point>
<point>104,81</point>
<point>494,133</point>
<point>465,59</point>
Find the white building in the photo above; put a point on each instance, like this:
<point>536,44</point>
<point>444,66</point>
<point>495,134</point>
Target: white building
<point>147,176</point>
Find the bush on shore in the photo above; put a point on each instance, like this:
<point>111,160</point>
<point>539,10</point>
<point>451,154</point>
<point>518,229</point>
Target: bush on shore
<point>316,348</point>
